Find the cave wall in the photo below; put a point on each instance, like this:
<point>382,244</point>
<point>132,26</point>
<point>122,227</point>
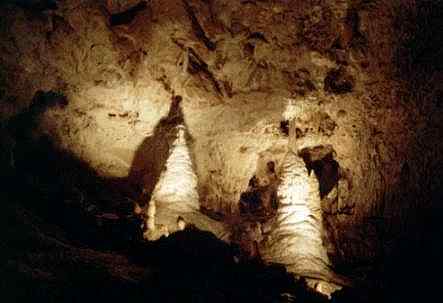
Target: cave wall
<point>335,70</point>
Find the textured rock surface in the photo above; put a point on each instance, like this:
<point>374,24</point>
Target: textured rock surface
<point>347,75</point>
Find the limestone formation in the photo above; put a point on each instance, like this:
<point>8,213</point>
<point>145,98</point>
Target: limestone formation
<point>182,106</point>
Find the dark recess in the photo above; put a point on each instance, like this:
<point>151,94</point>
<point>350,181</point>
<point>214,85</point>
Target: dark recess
<point>127,16</point>
<point>326,169</point>
<point>284,127</point>
<point>34,5</point>
<point>260,201</point>
<point>339,81</point>
<point>422,50</point>
<point>258,36</point>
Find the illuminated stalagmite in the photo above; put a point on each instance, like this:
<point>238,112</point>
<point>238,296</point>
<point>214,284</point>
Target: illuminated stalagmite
<point>296,232</point>
<point>175,198</point>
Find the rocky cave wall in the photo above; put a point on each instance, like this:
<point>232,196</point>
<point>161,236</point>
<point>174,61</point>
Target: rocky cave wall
<point>341,74</point>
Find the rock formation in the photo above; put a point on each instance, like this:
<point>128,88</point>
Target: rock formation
<point>342,96</point>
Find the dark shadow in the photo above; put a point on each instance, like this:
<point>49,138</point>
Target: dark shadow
<point>36,5</point>
<point>419,50</point>
<point>128,15</point>
<point>413,251</point>
<point>21,125</point>
<point>339,81</point>
<point>284,127</point>
<point>151,155</point>
<point>320,159</point>
<point>259,201</point>
<point>389,252</point>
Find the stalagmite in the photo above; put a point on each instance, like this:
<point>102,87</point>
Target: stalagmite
<point>175,197</point>
<point>177,187</point>
<point>295,239</point>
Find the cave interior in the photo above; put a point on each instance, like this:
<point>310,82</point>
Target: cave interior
<point>221,150</point>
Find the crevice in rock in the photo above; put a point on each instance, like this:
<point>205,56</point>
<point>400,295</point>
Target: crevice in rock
<point>197,28</point>
<point>128,15</point>
<point>197,66</point>
<point>284,127</point>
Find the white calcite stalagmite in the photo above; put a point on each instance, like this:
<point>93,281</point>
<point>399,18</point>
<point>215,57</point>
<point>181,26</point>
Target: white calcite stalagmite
<point>175,196</point>
<point>295,238</point>
<point>177,187</point>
